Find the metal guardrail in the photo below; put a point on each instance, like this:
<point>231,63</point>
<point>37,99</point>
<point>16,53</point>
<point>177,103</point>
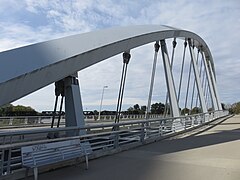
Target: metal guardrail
<point>46,120</point>
<point>102,137</point>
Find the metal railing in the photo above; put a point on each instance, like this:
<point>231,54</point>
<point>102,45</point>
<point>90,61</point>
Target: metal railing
<point>102,137</point>
<point>23,121</point>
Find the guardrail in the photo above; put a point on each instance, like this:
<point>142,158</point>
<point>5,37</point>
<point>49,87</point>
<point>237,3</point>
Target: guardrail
<point>101,137</point>
<point>46,120</point>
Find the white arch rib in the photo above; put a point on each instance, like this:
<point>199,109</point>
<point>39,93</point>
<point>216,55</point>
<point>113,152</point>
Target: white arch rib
<point>27,69</point>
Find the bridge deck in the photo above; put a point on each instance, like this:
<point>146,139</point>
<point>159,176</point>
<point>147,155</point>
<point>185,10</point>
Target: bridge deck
<point>213,154</point>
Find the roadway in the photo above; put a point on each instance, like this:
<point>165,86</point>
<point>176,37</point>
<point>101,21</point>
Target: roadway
<point>213,154</point>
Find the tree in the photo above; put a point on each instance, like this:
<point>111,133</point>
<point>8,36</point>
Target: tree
<point>143,109</point>
<point>130,109</point>
<point>136,107</point>
<point>196,110</point>
<point>19,110</point>
<point>95,112</point>
<point>235,109</point>
<point>4,110</point>
<point>210,109</point>
<point>157,108</point>
<point>185,111</point>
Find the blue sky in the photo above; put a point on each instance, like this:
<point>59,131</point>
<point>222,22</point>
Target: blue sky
<point>217,22</point>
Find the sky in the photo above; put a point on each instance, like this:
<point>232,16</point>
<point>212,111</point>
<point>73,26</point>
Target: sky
<point>216,21</point>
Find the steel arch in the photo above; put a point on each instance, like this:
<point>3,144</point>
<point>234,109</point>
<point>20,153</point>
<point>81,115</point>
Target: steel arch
<point>50,61</point>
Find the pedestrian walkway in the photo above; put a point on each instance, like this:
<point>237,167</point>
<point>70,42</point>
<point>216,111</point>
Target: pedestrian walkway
<point>213,154</point>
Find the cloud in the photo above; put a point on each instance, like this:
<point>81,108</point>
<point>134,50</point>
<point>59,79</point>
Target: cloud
<point>33,21</point>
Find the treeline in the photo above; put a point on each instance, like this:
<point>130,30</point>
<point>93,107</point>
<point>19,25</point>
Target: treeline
<point>156,108</point>
<point>159,108</point>
<point>235,108</point>
<point>19,110</point>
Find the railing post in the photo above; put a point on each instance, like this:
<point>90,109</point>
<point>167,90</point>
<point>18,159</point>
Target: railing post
<point>116,136</point>
<point>10,121</point>
<point>184,122</point>
<point>39,120</point>
<point>2,162</point>
<point>161,127</point>
<point>142,132</point>
<point>9,160</point>
<point>26,121</point>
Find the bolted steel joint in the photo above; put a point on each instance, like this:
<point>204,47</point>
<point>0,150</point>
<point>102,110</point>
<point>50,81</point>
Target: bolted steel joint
<point>156,46</point>
<point>163,43</point>
<point>126,57</point>
<point>174,43</point>
<point>189,42</point>
<point>59,88</point>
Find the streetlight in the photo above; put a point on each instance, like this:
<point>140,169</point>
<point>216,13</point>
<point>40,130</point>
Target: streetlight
<point>104,87</point>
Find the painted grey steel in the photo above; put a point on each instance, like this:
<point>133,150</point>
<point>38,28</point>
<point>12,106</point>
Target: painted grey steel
<point>171,65</point>
<point>73,105</point>
<point>50,61</point>
<point>213,96</point>
<point>169,80</point>
<point>182,67</point>
<point>213,78</point>
<point>197,78</point>
<point>188,84</point>
<point>194,83</point>
<point>156,47</point>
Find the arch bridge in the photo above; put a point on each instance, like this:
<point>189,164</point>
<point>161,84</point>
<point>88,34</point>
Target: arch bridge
<point>190,83</point>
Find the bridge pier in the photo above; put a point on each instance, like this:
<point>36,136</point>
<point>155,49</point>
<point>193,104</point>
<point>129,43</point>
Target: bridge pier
<point>69,88</point>
<point>73,104</point>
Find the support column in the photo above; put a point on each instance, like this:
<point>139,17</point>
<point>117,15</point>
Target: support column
<point>215,86</point>
<point>214,100</point>
<point>197,77</point>
<point>156,47</point>
<point>169,81</point>
<point>73,104</point>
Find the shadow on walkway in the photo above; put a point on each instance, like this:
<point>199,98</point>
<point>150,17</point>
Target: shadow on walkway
<point>191,142</point>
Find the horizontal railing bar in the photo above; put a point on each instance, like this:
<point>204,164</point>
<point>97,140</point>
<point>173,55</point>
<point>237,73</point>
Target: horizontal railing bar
<point>46,130</point>
<point>20,144</point>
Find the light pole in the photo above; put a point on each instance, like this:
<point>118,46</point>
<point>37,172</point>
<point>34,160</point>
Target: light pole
<point>104,87</point>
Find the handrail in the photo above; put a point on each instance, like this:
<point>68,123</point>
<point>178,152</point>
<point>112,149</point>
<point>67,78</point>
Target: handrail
<point>100,141</point>
<point>46,130</point>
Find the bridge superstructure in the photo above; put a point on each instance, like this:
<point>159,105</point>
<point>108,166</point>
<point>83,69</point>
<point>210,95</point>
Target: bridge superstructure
<point>27,69</point>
